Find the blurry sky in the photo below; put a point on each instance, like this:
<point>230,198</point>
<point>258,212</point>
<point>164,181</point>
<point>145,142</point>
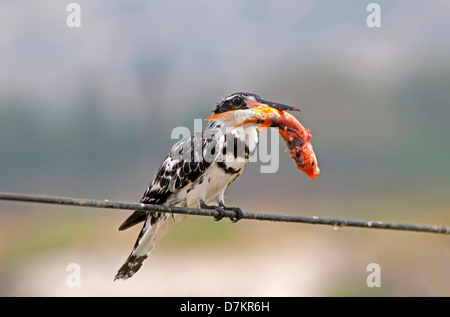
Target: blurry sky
<point>87,112</point>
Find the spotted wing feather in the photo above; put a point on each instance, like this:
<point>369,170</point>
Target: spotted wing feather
<point>186,162</point>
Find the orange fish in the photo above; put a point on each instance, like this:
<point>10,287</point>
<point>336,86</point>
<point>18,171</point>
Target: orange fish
<point>298,141</point>
<point>296,136</point>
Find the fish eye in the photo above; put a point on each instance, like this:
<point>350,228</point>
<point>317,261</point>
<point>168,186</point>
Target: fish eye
<point>312,163</point>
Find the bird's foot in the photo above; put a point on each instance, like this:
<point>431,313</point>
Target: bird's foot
<point>217,208</point>
<point>237,210</point>
<point>220,215</point>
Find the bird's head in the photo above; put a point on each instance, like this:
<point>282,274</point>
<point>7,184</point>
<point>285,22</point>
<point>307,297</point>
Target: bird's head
<point>242,108</point>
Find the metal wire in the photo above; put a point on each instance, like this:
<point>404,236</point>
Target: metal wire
<point>229,214</point>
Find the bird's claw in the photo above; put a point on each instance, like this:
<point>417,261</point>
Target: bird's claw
<point>220,215</point>
<point>237,210</point>
<point>239,214</point>
<point>219,209</point>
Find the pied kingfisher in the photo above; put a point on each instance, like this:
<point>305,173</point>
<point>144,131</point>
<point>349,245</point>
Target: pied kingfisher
<point>197,172</point>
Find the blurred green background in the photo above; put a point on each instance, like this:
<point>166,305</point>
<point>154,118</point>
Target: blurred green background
<point>87,112</point>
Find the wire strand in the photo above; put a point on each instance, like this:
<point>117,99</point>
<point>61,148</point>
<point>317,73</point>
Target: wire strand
<point>335,222</point>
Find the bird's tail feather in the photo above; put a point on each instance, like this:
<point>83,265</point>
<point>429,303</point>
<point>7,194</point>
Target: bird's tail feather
<point>144,244</point>
<point>131,266</point>
<point>148,237</point>
<point>136,217</point>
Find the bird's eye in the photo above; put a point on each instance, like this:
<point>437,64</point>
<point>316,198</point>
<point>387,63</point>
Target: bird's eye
<point>237,100</point>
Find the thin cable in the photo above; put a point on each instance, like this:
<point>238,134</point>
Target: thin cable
<point>336,222</point>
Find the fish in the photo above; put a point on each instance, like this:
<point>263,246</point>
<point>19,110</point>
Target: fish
<point>297,138</point>
<point>298,141</point>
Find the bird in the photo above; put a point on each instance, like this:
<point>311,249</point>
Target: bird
<point>198,170</point>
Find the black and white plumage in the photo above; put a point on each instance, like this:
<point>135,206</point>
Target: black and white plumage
<point>196,173</point>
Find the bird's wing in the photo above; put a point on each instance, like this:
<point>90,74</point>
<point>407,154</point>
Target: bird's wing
<point>186,162</point>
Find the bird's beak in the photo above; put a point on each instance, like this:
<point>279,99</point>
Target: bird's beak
<point>269,110</point>
<point>263,103</point>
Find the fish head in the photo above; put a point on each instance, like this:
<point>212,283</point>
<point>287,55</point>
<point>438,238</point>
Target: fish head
<point>310,166</point>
